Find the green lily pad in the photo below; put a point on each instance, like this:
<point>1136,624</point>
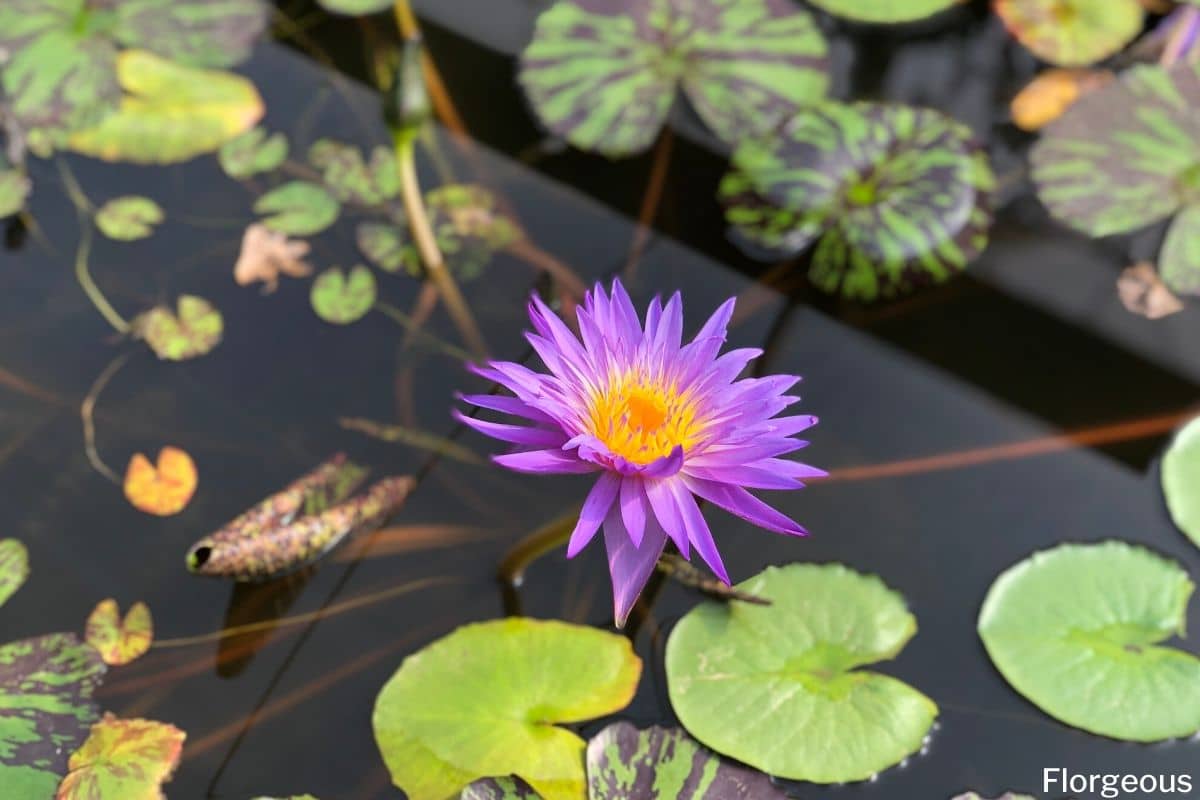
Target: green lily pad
<point>884,11</point>
<point>355,8</point>
<point>469,227</point>
<point>499,789</point>
<point>382,244</point>
<point>624,762</point>
<point>1126,155</point>
<point>777,686</point>
<point>898,197</point>
<point>170,112</point>
<point>14,188</point>
<point>128,218</point>
<point>46,708</point>
<point>484,702</point>
<point>1179,263</point>
<point>1179,474</point>
<point>298,208</point>
<point>343,299</point>
<point>252,152</point>
<point>200,33</point>
<point>1076,630</point>
<point>604,75</point>
<point>125,758</point>
<point>192,330</point>
<point>14,567</point>
<point>1072,33</point>
<point>350,177</point>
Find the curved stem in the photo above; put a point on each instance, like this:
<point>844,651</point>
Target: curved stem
<point>431,255</point>
<point>89,286</point>
<point>86,413</point>
<point>417,333</point>
<point>522,555</point>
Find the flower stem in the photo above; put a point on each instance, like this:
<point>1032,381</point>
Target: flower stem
<point>84,210</point>
<point>522,555</point>
<point>410,325</point>
<point>87,413</point>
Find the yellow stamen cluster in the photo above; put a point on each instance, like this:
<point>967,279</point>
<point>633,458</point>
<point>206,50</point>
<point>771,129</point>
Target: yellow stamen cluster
<point>640,419</point>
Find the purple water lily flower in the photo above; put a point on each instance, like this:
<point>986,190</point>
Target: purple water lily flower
<point>661,421</point>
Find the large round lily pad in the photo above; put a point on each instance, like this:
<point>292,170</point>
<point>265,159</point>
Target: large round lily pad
<point>604,75</point>
<point>1180,475</point>
<point>485,702</point>
<point>1126,155</point>
<point>884,10</point>
<point>1077,630</point>
<point>1072,33</point>
<point>778,686</point>
<point>898,197</point>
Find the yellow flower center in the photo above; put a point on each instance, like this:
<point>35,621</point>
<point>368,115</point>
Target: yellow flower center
<point>642,420</point>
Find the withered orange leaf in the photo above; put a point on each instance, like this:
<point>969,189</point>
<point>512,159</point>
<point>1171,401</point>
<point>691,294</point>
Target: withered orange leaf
<point>163,490</point>
<point>119,641</point>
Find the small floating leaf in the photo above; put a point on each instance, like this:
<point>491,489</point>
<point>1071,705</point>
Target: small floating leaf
<point>499,789</point>
<point>1126,155</point>
<point>1142,292</point>
<point>120,641</point>
<point>623,763</point>
<point>128,218</point>
<point>355,8</point>
<point>1180,257</point>
<point>469,227</point>
<point>14,188</point>
<point>605,75</point>
<point>46,686</point>
<point>445,719</point>
<point>252,152</point>
<point>897,196</point>
<point>1179,474</point>
<point>1072,33</point>
<point>1051,93</point>
<point>298,208</point>
<point>266,254</point>
<point>14,567</point>
<point>778,686</point>
<point>125,758</point>
<point>170,112</point>
<point>342,299</point>
<point>192,330</point>
<point>163,490</point>
<point>382,244</point>
<point>1077,630</point>
<point>350,178</point>
<point>884,10</point>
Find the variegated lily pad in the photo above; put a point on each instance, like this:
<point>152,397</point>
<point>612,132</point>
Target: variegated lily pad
<point>624,762</point>
<point>499,789</point>
<point>298,208</point>
<point>1179,262</point>
<point>14,188</point>
<point>119,641</point>
<point>604,74</point>
<point>342,299</point>
<point>884,10</point>
<point>383,244</point>
<point>46,686</point>
<point>253,152</point>
<point>14,567</point>
<point>128,218</point>
<point>1072,33</point>
<point>125,758</point>
<point>169,112</point>
<point>1126,155</point>
<point>201,33</point>
<point>193,329</point>
<point>896,197</point>
<point>350,177</point>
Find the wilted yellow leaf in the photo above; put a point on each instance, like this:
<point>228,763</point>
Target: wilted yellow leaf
<point>1051,93</point>
<point>119,641</point>
<point>163,490</point>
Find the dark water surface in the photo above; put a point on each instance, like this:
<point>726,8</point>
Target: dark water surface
<point>1034,342</point>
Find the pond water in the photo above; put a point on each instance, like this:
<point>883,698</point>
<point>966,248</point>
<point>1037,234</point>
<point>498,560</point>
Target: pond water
<point>920,402</point>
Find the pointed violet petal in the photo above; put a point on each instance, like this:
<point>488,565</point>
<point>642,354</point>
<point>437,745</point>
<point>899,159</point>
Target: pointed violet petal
<point>666,466</point>
<point>667,514</point>
<point>697,529</point>
<point>624,315</point>
<point>633,508</point>
<point>595,509</point>
<point>506,405</point>
<point>629,565</point>
<point>739,502</point>
<point>515,434</point>
<point>544,462</point>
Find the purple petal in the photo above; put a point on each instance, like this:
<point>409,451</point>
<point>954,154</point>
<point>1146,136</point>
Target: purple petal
<point>544,462</point>
<point>506,405</point>
<point>670,327</point>
<point>697,529</point>
<point>717,325</point>
<point>630,565</point>
<point>515,434</point>
<point>665,511</point>
<point>666,466</point>
<point>633,508</point>
<point>624,315</point>
<point>595,509</point>
<point>739,502</point>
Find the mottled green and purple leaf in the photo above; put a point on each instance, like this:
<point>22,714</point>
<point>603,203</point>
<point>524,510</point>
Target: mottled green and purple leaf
<point>14,567</point>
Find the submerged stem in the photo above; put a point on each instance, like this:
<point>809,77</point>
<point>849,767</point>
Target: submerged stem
<point>87,411</point>
<point>522,555</point>
<point>417,333</point>
<point>89,286</point>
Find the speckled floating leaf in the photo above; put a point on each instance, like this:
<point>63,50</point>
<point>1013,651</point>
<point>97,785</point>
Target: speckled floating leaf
<point>898,196</point>
<point>1077,631</point>
<point>252,152</point>
<point>665,763</point>
<point>355,8</point>
<point>14,188</point>
<point>192,330</point>
<point>46,686</point>
<point>298,208</point>
<point>777,686</point>
<point>604,74</point>
<point>128,218</point>
<point>1072,33</point>
<point>484,702</point>
<point>202,33</point>
<point>161,489</point>
<point>1179,261</point>
<point>170,112</point>
<point>1126,155</point>
<point>342,299</point>
<point>469,227</point>
<point>125,758</point>
<point>119,641</point>
<point>884,10</point>
<point>499,789</point>
<point>382,244</point>
<point>350,177</point>
<point>61,71</point>
<point>14,567</point>
<point>1180,477</point>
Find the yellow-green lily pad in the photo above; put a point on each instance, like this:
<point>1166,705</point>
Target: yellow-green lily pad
<point>14,567</point>
<point>128,218</point>
<point>298,208</point>
<point>192,330</point>
<point>343,298</point>
<point>253,152</point>
<point>119,641</point>
<point>128,759</point>
<point>1072,33</point>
